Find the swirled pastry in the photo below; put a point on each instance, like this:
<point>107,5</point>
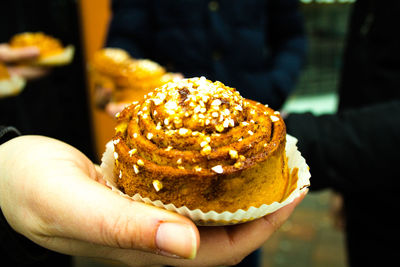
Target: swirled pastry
<point>52,52</point>
<point>199,144</point>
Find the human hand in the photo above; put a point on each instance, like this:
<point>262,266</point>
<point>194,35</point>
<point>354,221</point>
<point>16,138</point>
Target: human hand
<point>12,56</point>
<point>51,193</point>
<point>113,108</point>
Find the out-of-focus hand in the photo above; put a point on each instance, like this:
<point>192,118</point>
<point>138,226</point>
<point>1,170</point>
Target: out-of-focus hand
<point>50,193</point>
<point>12,56</point>
<point>113,108</point>
<point>102,96</point>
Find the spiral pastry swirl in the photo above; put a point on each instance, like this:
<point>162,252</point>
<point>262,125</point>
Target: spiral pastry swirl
<point>199,144</point>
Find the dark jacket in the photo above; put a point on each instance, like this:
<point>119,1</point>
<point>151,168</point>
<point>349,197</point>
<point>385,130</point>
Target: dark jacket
<point>56,105</point>
<point>256,46</point>
<point>355,152</point>
<point>371,72</point>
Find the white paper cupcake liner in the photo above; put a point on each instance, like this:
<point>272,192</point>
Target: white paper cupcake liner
<point>295,160</point>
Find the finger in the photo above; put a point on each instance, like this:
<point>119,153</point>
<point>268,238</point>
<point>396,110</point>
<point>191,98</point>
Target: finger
<point>28,72</point>
<point>229,245</point>
<point>114,108</point>
<point>103,217</point>
<point>8,54</point>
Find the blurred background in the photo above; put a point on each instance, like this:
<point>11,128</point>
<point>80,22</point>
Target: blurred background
<point>312,236</point>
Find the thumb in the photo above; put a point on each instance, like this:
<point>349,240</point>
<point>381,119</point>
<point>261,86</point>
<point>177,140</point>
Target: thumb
<point>103,217</point>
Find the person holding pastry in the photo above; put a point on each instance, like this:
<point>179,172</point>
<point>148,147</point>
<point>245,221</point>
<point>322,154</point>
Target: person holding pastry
<point>63,203</point>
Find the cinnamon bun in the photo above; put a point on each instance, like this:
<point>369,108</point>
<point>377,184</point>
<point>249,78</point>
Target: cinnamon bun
<point>199,144</point>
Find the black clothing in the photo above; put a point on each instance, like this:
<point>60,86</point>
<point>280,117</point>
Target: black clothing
<point>355,152</point>
<point>255,46</point>
<point>56,105</point>
<point>348,149</point>
<point>371,72</point>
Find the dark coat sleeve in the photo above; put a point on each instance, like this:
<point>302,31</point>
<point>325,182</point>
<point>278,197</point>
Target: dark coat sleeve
<point>353,151</point>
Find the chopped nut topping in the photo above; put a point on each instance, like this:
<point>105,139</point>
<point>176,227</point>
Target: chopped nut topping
<point>195,104</point>
<point>233,154</point>
<point>218,169</point>
<point>136,168</point>
<point>274,118</point>
<point>183,131</point>
<point>216,102</point>
<point>204,143</point>
<point>168,148</point>
<point>132,151</point>
<point>140,162</point>
<point>219,128</point>
<point>179,161</point>
<point>197,169</point>
<point>149,136</point>
<point>157,185</point>
<point>238,164</point>
<point>206,150</point>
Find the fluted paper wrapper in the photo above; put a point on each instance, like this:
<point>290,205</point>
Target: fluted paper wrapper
<point>300,180</point>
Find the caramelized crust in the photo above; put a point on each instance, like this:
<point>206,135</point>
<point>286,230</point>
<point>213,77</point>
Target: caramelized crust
<point>200,144</point>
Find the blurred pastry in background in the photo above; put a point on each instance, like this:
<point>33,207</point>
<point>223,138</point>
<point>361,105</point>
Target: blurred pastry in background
<point>52,51</point>
<point>120,78</point>
<point>10,85</point>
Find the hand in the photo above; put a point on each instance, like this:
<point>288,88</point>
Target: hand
<point>102,96</point>
<point>12,56</point>
<point>113,108</point>
<point>52,194</point>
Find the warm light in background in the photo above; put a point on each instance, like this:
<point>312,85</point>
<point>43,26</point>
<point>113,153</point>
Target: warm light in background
<point>95,16</point>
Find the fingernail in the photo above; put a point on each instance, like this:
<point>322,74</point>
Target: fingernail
<point>176,240</point>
